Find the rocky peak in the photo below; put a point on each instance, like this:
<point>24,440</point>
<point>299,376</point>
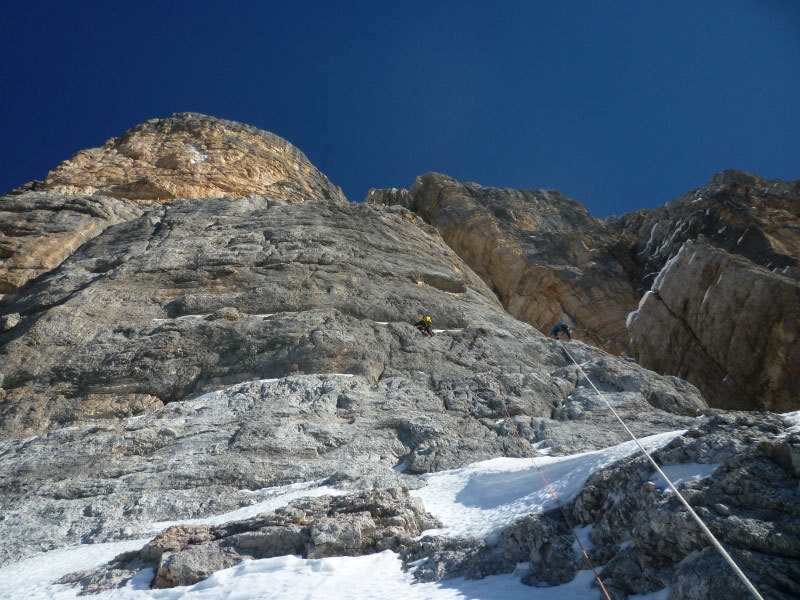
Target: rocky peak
<point>190,155</point>
<point>736,212</point>
<point>187,155</point>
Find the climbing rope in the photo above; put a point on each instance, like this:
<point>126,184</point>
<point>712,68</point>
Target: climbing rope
<point>525,447</point>
<point>680,497</point>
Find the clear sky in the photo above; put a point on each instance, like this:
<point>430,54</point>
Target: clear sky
<point>619,105</point>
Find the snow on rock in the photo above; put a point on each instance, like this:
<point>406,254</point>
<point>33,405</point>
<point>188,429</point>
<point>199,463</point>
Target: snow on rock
<point>479,500</point>
<point>678,474</point>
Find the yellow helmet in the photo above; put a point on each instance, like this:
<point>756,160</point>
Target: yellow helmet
<point>426,318</point>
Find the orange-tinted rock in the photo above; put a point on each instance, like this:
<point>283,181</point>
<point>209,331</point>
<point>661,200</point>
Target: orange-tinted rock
<point>545,257</point>
<point>191,156</point>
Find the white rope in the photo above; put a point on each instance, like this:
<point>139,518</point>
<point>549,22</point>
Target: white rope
<point>697,518</point>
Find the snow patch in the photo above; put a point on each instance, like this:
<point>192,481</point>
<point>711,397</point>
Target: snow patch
<point>679,474</point>
<point>705,296</point>
<point>196,155</point>
<point>792,419</point>
<point>182,318</point>
<point>482,498</point>
<point>583,533</point>
<point>668,266</point>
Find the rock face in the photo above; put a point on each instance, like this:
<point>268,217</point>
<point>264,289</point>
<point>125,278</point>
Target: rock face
<point>38,231</point>
<point>725,323</point>
<point>724,314</point>
<point>199,356</point>
<point>737,212</point>
<point>195,295</point>
<point>548,260</point>
<point>191,156</point>
<point>185,156</point>
<point>543,255</point>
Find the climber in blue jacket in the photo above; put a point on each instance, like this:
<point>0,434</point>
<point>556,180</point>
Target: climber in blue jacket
<point>560,327</point>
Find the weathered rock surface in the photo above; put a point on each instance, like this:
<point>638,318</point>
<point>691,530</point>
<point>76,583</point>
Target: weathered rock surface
<point>543,255</point>
<point>737,212</point>
<point>196,357</point>
<point>109,480</point>
<point>149,309</point>
<point>38,231</point>
<point>749,503</point>
<point>644,539</point>
<point>726,324</point>
<point>185,156</point>
<point>190,155</point>
<point>352,525</point>
<point>548,260</point>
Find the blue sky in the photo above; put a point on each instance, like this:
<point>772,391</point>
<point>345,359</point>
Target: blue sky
<point>620,105</point>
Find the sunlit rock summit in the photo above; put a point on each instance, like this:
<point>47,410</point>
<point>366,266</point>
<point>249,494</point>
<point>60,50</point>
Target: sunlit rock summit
<point>194,317</point>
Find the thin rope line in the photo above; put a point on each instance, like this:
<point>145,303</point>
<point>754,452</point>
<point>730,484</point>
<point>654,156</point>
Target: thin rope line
<point>697,518</point>
<point>555,497</point>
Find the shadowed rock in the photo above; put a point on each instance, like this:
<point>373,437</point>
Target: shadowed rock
<point>727,325</point>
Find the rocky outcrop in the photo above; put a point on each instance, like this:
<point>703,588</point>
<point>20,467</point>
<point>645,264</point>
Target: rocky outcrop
<point>185,156</point>
<point>740,213</point>
<point>190,155</point>
<point>664,544</point>
<point>724,312</point>
<point>725,323</point>
<point>543,255</point>
<point>352,525</point>
<point>644,539</point>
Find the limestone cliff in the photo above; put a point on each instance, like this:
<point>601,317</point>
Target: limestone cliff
<point>737,212</point>
<point>191,155</point>
<point>187,155</point>
<point>197,294</point>
<point>725,312</point>
<point>548,260</point>
<point>180,358</point>
<point>725,323</point>
<point>544,256</point>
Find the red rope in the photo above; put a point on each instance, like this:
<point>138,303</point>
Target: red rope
<point>525,445</point>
